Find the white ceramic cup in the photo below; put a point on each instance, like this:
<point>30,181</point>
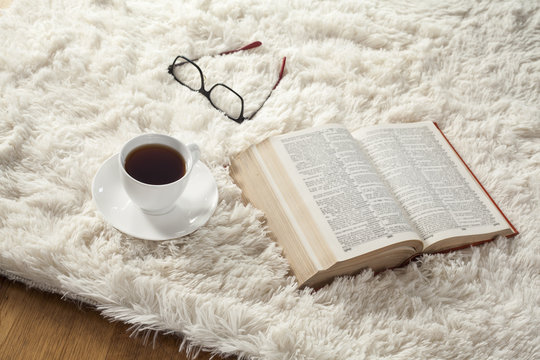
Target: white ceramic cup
<point>157,199</point>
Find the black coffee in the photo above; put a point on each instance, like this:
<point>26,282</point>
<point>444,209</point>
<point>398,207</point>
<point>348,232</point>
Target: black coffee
<point>155,164</point>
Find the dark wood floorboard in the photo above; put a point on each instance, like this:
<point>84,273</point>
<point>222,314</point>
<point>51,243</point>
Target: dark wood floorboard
<point>39,325</point>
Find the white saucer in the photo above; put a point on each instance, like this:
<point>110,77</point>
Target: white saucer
<point>192,210</point>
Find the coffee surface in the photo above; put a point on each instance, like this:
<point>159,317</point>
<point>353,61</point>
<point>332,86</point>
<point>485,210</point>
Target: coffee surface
<point>155,164</point>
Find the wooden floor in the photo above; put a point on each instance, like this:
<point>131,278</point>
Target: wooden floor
<point>35,325</point>
<point>39,325</point>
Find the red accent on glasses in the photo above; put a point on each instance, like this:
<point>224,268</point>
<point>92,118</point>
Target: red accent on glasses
<point>280,72</point>
<point>247,47</point>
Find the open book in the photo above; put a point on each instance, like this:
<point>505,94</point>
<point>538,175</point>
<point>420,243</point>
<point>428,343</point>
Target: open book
<point>338,202</point>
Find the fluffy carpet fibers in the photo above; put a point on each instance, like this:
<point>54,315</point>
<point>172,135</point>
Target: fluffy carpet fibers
<point>79,78</point>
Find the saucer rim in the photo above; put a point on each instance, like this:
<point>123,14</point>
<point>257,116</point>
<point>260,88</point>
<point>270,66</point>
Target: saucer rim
<point>198,166</point>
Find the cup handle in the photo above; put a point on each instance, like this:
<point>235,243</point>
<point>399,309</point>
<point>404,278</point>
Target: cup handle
<point>195,152</point>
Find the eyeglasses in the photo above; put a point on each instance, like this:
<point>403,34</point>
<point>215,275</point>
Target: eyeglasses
<point>221,96</point>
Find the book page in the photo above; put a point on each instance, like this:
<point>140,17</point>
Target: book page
<point>349,201</point>
<point>439,194</point>
<point>250,173</point>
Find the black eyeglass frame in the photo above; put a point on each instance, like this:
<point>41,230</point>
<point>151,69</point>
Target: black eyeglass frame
<point>206,93</point>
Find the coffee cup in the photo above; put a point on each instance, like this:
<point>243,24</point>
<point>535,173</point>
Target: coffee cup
<point>155,169</point>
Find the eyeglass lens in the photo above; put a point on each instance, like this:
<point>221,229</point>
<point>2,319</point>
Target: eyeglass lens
<point>222,97</point>
<point>188,74</point>
<point>226,100</point>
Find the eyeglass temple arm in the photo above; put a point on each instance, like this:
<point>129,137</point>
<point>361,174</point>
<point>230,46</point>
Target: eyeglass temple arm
<point>247,47</point>
<point>271,91</point>
<point>280,72</point>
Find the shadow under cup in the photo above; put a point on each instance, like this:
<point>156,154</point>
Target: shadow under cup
<point>156,199</point>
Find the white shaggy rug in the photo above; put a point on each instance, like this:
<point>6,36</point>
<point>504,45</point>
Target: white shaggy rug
<point>79,78</point>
